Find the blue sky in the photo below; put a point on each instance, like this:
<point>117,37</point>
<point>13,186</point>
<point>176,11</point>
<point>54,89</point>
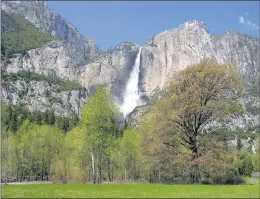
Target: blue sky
<point>110,23</point>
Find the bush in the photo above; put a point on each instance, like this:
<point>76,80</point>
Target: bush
<point>228,179</point>
<point>233,179</point>
<point>218,180</point>
<point>206,181</point>
<point>244,162</point>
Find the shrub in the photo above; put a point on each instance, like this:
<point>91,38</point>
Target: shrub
<point>228,179</point>
<point>206,181</point>
<point>233,179</point>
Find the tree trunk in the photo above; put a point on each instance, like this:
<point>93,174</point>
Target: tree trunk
<point>109,171</point>
<point>194,168</point>
<point>17,173</point>
<point>65,171</point>
<point>47,176</point>
<point>42,167</point>
<point>22,173</point>
<point>99,169</point>
<point>125,174</point>
<point>97,180</point>
<point>99,174</point>
<point>112,172</point>
<point>93,168</point>
<point>159,175</point>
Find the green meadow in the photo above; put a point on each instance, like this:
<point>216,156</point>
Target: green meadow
<point>249,190</point>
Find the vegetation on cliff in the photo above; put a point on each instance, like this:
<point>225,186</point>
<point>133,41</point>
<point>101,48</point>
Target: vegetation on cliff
<point>27,76</point>
<point>19,35</point>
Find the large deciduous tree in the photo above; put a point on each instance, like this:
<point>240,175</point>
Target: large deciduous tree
<point>195,97</point>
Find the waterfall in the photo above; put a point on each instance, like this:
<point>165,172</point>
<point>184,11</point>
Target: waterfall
<point>131,95</point>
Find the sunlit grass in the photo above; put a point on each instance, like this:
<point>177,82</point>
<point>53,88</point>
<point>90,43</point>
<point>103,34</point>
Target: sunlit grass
<point>129,190</point>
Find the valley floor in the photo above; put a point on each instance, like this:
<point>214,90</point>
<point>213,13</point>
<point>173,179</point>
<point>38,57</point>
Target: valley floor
<point>129,191</point>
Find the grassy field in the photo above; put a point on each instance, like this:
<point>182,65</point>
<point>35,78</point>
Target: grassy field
<point>131,191</point>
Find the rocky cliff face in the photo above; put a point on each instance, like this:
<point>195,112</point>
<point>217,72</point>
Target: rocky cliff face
<point>175,49</point>
<point>64,60</point>
<point>111,68</point>
<point>75,58</point>
<point>54,58</point>
<point>51,22</point>
<point>40,95</point>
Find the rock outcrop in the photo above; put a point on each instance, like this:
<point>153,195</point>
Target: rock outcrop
<point>42,96</point>
<point>136,116</point>
<point>175,49</point>
<point>51,22</point>
<point>64,60</point>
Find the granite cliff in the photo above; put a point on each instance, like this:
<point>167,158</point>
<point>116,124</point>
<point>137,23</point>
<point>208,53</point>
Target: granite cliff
<point>175,49</point>
<point>51,22</point>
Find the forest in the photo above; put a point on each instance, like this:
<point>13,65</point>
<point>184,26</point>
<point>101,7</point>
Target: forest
<point>176,141</point>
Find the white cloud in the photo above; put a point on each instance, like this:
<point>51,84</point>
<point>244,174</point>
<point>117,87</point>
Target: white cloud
<point>241,19</point>
<point>248,22</point>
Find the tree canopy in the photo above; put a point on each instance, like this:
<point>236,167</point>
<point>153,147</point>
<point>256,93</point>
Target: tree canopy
<point>195,97</point>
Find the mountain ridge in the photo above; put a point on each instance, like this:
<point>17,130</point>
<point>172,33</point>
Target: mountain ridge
<point>53,23</point>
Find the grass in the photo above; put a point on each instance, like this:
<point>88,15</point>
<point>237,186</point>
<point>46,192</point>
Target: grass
<point>129,191</point>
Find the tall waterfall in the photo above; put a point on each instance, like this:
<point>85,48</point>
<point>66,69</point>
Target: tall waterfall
<point>131,95</point>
